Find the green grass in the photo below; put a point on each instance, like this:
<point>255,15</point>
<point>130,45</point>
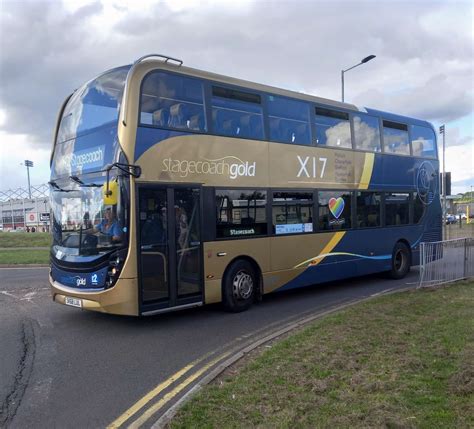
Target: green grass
<point>24,256</point>
<point>25,239</point>
<point>399,361</point>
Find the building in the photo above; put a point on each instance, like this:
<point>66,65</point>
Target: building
<point>19,212</point>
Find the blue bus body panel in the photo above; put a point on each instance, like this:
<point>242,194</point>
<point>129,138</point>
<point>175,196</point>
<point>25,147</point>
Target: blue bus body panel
<point>354,260</point>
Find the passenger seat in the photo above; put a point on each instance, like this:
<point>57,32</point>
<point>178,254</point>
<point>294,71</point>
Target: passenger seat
<point>178,116</point>
<point>161,117</point>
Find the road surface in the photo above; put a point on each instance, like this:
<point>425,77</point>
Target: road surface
<point>63,367</point>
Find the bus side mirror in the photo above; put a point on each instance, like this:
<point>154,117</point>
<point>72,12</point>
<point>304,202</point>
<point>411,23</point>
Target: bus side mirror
<point>110,195</point>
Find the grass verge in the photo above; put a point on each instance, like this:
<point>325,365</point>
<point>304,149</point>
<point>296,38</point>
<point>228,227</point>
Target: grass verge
<point>25,239</point>
<point>399,361</point>
<point>23,256</point>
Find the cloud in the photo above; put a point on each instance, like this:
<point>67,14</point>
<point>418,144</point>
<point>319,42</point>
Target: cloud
<point>40,58</point>
<point>423,67</point>
<point>454,137</point>
<point>440,98</point>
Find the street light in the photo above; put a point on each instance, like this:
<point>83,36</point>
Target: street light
<point>442,130</point>
<point>363,61</point>
<point>28,164</point>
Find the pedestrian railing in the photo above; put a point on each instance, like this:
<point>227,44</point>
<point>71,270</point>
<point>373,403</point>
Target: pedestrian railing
<point>446,261</point>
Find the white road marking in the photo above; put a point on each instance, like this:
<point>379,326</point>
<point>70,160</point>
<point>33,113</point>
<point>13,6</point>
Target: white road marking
<point>4,292</point>
<point>382,292</point>
<point>28,296</point>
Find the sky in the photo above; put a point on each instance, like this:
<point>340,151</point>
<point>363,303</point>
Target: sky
<point>424,65</point>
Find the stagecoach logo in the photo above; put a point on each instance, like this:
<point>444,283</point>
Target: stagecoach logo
<point>229,166</point>
<point>426,182</point>
<point>85,159</point>
<point>248,231</point>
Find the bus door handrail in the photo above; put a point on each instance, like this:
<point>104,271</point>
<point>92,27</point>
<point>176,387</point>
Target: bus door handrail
<point>166,58</point>
<point>163,256</point>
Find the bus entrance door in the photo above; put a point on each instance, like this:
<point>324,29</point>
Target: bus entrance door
<point>169,248</point>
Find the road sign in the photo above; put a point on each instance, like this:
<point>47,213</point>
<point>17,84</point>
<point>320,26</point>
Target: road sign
<point>32,218</point>
<point>44,217</point>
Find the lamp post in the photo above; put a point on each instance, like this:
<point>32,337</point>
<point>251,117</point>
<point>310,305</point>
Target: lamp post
<point>363,61</point>
<point>442,131</point>
<point>28,164</point>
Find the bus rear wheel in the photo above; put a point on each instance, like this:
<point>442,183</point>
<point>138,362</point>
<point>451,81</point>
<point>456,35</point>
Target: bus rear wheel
<point>400,261</point>
<point>240,283</point>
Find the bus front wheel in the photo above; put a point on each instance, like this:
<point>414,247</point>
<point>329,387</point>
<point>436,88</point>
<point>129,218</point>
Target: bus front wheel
<point>400,261</point>
<point>239,286</point>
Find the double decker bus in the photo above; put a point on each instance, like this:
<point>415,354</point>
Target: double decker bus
<point>173,187</point>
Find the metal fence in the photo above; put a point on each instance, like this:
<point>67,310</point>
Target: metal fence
<point>446,261</point>
<point>37,191</point>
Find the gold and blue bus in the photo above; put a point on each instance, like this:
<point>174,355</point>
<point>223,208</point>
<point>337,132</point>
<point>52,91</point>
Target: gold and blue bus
<point>173,187</point>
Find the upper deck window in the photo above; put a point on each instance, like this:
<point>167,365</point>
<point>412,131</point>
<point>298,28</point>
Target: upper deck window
<point>96,104</point>
<point>366,132</point>
<point>172,101</point>
<point>395,138</point>
<point>288,120</point>
<point>237,113</point>
<point>333,128</point>
<point>423,141</point>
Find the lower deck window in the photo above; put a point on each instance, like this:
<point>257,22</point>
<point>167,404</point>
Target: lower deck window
<point>368,209</point>
<point>397,208</point>
<point>241,213</point>
<point>335,210</point>
<point>292,212</point>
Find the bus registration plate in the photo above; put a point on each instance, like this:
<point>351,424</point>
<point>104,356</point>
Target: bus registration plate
<point>73,302</point>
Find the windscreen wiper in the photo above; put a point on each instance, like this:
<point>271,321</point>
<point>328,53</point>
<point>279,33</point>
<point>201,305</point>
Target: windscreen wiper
<point>58,188</point>
<point>84,185</point>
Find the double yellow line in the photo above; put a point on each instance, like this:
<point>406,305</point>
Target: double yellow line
<point>139,405</point>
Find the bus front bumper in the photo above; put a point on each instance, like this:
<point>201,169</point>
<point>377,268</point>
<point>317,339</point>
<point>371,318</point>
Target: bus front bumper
<point>120,299</point>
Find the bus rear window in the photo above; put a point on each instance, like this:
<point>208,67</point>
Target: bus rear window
<point>423,141</point>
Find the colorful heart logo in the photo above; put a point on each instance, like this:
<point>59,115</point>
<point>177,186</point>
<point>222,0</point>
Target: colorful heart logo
<point>336,206</point>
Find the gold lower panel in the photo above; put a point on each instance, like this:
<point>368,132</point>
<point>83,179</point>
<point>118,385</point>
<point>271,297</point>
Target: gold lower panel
<point>120,299</point>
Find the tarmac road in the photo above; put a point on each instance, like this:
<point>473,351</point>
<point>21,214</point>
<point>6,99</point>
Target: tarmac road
<point>63,367</point>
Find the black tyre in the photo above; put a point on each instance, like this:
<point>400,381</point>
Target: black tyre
<point>239,286</point>
<point>401,261</point>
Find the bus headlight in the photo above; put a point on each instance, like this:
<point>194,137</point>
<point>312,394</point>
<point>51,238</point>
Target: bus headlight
<point>115,266</point>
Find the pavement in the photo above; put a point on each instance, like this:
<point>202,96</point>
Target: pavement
<point>64,367</point>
